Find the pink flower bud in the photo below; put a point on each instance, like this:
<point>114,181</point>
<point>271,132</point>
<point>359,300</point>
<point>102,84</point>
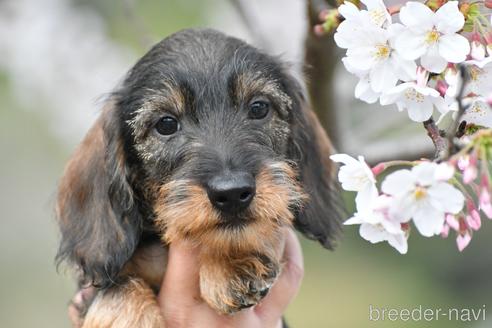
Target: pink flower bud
<point>463,240</point>
<point>484,198</point>
<point>468,164</point>
<point>473,218</point>
<point>378,169</point>
<point>445,231</point>
<point>319,30</point>
<point>477,50</point>
<point>441,86</point>
<point>453,222</point>
<point>488,4</point>
<point>488,37</point>
<point>323,15</point>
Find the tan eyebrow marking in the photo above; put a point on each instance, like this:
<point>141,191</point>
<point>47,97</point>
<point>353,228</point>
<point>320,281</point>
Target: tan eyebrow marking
<point>250,83</point>
<point>170,99</point>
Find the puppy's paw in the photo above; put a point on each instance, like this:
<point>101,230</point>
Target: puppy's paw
<point>237,288</point>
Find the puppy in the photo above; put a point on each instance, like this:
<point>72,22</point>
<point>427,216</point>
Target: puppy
<point>207,140</point>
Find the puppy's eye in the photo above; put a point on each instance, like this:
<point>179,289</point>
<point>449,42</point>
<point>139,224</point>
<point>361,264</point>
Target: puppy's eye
<point>167,125</point>
<point>259,109</point>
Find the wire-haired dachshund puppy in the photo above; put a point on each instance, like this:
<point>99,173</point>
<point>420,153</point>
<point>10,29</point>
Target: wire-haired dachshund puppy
<point>208,140</point>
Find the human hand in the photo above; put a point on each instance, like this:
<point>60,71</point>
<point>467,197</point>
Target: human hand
<point>182,306</point>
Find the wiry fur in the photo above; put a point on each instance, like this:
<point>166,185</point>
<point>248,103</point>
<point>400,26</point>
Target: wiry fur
<point>128,191</point>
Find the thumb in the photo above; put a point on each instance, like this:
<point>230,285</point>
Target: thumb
<point>181,282</point>
<point>288,283</point>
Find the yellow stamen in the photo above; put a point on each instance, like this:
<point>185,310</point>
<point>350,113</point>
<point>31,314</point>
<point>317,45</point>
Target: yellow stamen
<point>378,16</point>
<point>382,51</point>
<point>475,73</point>
<point>411,94</point>
<point>420,193</point>
<point>432,36</point>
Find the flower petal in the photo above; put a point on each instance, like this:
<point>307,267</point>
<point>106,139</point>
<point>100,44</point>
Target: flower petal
<point>425,173</point>
<point>417,16</point>
<point>360,58</point>
<point>428,220</point>
<point>433,61</point>
<point>344,159</point>
<point>449,19</point>
<point>398,182</point>
<point>364,92</point>
<point>454,48</point>
<point>398,242</point>
<point>446,198</point>
<point>420,111</point>
<point>356,219</point>
<point>382,76</point>
<point>348,10</point>
<point>410,46</point>
<point>365,197</point>
<point>372,233</point>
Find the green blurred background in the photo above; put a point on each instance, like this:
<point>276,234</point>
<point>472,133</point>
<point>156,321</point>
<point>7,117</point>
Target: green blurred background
<point>338,287</point>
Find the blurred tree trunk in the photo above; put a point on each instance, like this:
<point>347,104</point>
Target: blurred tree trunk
<point>320,60</point>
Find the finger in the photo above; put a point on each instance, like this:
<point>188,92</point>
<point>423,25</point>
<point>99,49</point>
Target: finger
<point>74,310</point>
<point>181,281</point>
<point>288,283</point>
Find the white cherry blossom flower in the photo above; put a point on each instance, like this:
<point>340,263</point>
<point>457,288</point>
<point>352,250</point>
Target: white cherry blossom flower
<point>418,100</point>
<point>432,36</point>
<point>351,30</point>
<point>356,175</point>
<point>420,195</point>
<point>374,52</point>
<point>478,113</point>
<point>356,21</point>
<point>376,225</point>
<point>378,12</point>
<point>480,72</point>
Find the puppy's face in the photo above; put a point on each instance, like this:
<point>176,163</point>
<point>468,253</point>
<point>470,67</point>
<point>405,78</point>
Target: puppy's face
<point>208,139</point>
<point>210,124</point>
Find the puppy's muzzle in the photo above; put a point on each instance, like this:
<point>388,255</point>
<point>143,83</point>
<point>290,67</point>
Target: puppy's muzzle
<point>231,192</point>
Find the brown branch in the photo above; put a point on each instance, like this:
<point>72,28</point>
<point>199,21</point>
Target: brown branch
<point>440,142</point>
<point>320,60</point>
<point>444,142</point>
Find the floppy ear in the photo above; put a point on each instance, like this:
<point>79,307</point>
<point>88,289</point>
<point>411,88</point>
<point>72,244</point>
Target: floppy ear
<point>98,218</point>
<point>310,148</point>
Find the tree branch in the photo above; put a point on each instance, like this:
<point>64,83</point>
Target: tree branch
<point>440,142</point>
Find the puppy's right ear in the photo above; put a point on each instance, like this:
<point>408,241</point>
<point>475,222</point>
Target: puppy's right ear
<point>99,220</point>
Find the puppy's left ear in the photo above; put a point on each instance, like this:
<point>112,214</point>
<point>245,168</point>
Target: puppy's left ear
<point>310,148</point>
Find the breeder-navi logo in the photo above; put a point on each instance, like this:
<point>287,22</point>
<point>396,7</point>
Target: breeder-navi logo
<point>420,313</point>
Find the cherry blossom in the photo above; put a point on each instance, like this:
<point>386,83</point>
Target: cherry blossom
<point>432,36</point>
<point>356,175</point>
<point>419,101</point>
<point>422,197</point>
<point>478,112</point>
<point>480,72</point>
<point>376,226</point>
<point>375,54</point>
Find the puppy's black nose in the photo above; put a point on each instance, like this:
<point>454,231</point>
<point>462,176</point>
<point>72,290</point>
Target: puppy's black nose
<point>231,192</point>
